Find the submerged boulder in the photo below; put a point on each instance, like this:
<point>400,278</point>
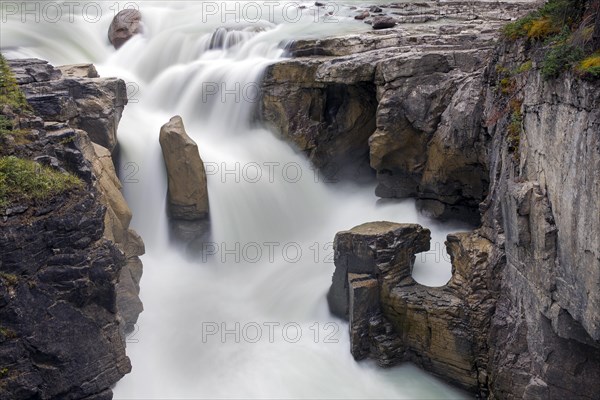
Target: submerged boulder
<point>124,26</point>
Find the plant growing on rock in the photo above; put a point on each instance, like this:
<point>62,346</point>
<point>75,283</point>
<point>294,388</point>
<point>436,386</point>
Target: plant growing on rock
<point>590,66</point>
<point>25,181</point>
<point>10,94</point>
<point>565,31</point>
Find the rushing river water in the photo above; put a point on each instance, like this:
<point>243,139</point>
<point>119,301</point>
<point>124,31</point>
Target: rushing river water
<point>251,321</point>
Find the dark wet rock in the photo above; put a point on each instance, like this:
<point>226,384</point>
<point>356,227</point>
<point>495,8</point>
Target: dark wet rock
<point>383,22</point>
<point>94,105</point>
<point>64,302</point>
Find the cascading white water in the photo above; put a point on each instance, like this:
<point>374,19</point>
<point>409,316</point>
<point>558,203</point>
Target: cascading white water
<point>250,321</point>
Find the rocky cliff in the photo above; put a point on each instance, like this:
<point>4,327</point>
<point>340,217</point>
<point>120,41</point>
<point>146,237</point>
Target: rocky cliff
<point>477,130</point>
<point>543,211</point>
<point>400,100</point>
<point>69,263</point>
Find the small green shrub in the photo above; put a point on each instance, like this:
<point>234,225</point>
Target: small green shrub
<point>541,28</point>
<point>590,66</point>
<point>560,58</point>
<point>525,67</point>
<point>10,93</point>
<point>520,27</point>
<point>25,180</point>
<point>508,86</point>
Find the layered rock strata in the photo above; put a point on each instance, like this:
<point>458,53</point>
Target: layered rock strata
<point>398,100</point>
<point>393,318</point>
<point>70,268</point>
<point>520,317</point>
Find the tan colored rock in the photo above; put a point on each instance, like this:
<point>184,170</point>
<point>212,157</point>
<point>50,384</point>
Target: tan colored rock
<point>116,228</point>
<point>79,70</point>
<point>188,192</point>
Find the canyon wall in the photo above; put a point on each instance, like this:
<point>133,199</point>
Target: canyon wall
<point>519,318</point>
<point>399,100</point>
<point>543,211</point>
<point>70,264</point>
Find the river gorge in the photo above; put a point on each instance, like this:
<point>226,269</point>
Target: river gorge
<point>299,200</point>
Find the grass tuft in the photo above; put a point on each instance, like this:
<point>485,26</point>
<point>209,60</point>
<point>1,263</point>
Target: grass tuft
<point>25,180</point>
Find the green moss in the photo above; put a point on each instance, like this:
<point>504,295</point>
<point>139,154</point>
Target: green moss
<point>25,180</point>
<point>525,67</point>
<point>10,94</point>
<point>3,372</point>
<point>508,86</point>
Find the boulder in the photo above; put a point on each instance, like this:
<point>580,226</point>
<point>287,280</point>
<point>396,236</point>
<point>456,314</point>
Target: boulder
<point>188,205</point>
<point>188,193</point>
<point>124,26</point>
<point>362,15</point>
<point>384,22</point>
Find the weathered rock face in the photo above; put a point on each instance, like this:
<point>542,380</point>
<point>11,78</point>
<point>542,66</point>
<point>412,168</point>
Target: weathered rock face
<point>94,105</point>
<point>406,97</point>
<point>124,26</point>
<point>520,316</point>
<point>394,319</point>
<point>543,209</point>
<point>65,301</point>
<point>187,196</point>
<point>329,121</point>
<point>116,229</point>
<point>366,249</point>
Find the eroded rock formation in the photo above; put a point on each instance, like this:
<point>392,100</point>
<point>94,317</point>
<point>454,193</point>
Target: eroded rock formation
<point>471,129</point>
<point>398,100</point>
<point>394,319</point>
<point>187,195</point>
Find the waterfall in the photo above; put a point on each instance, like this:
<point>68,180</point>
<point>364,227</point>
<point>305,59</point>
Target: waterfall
<point>251,320</point>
